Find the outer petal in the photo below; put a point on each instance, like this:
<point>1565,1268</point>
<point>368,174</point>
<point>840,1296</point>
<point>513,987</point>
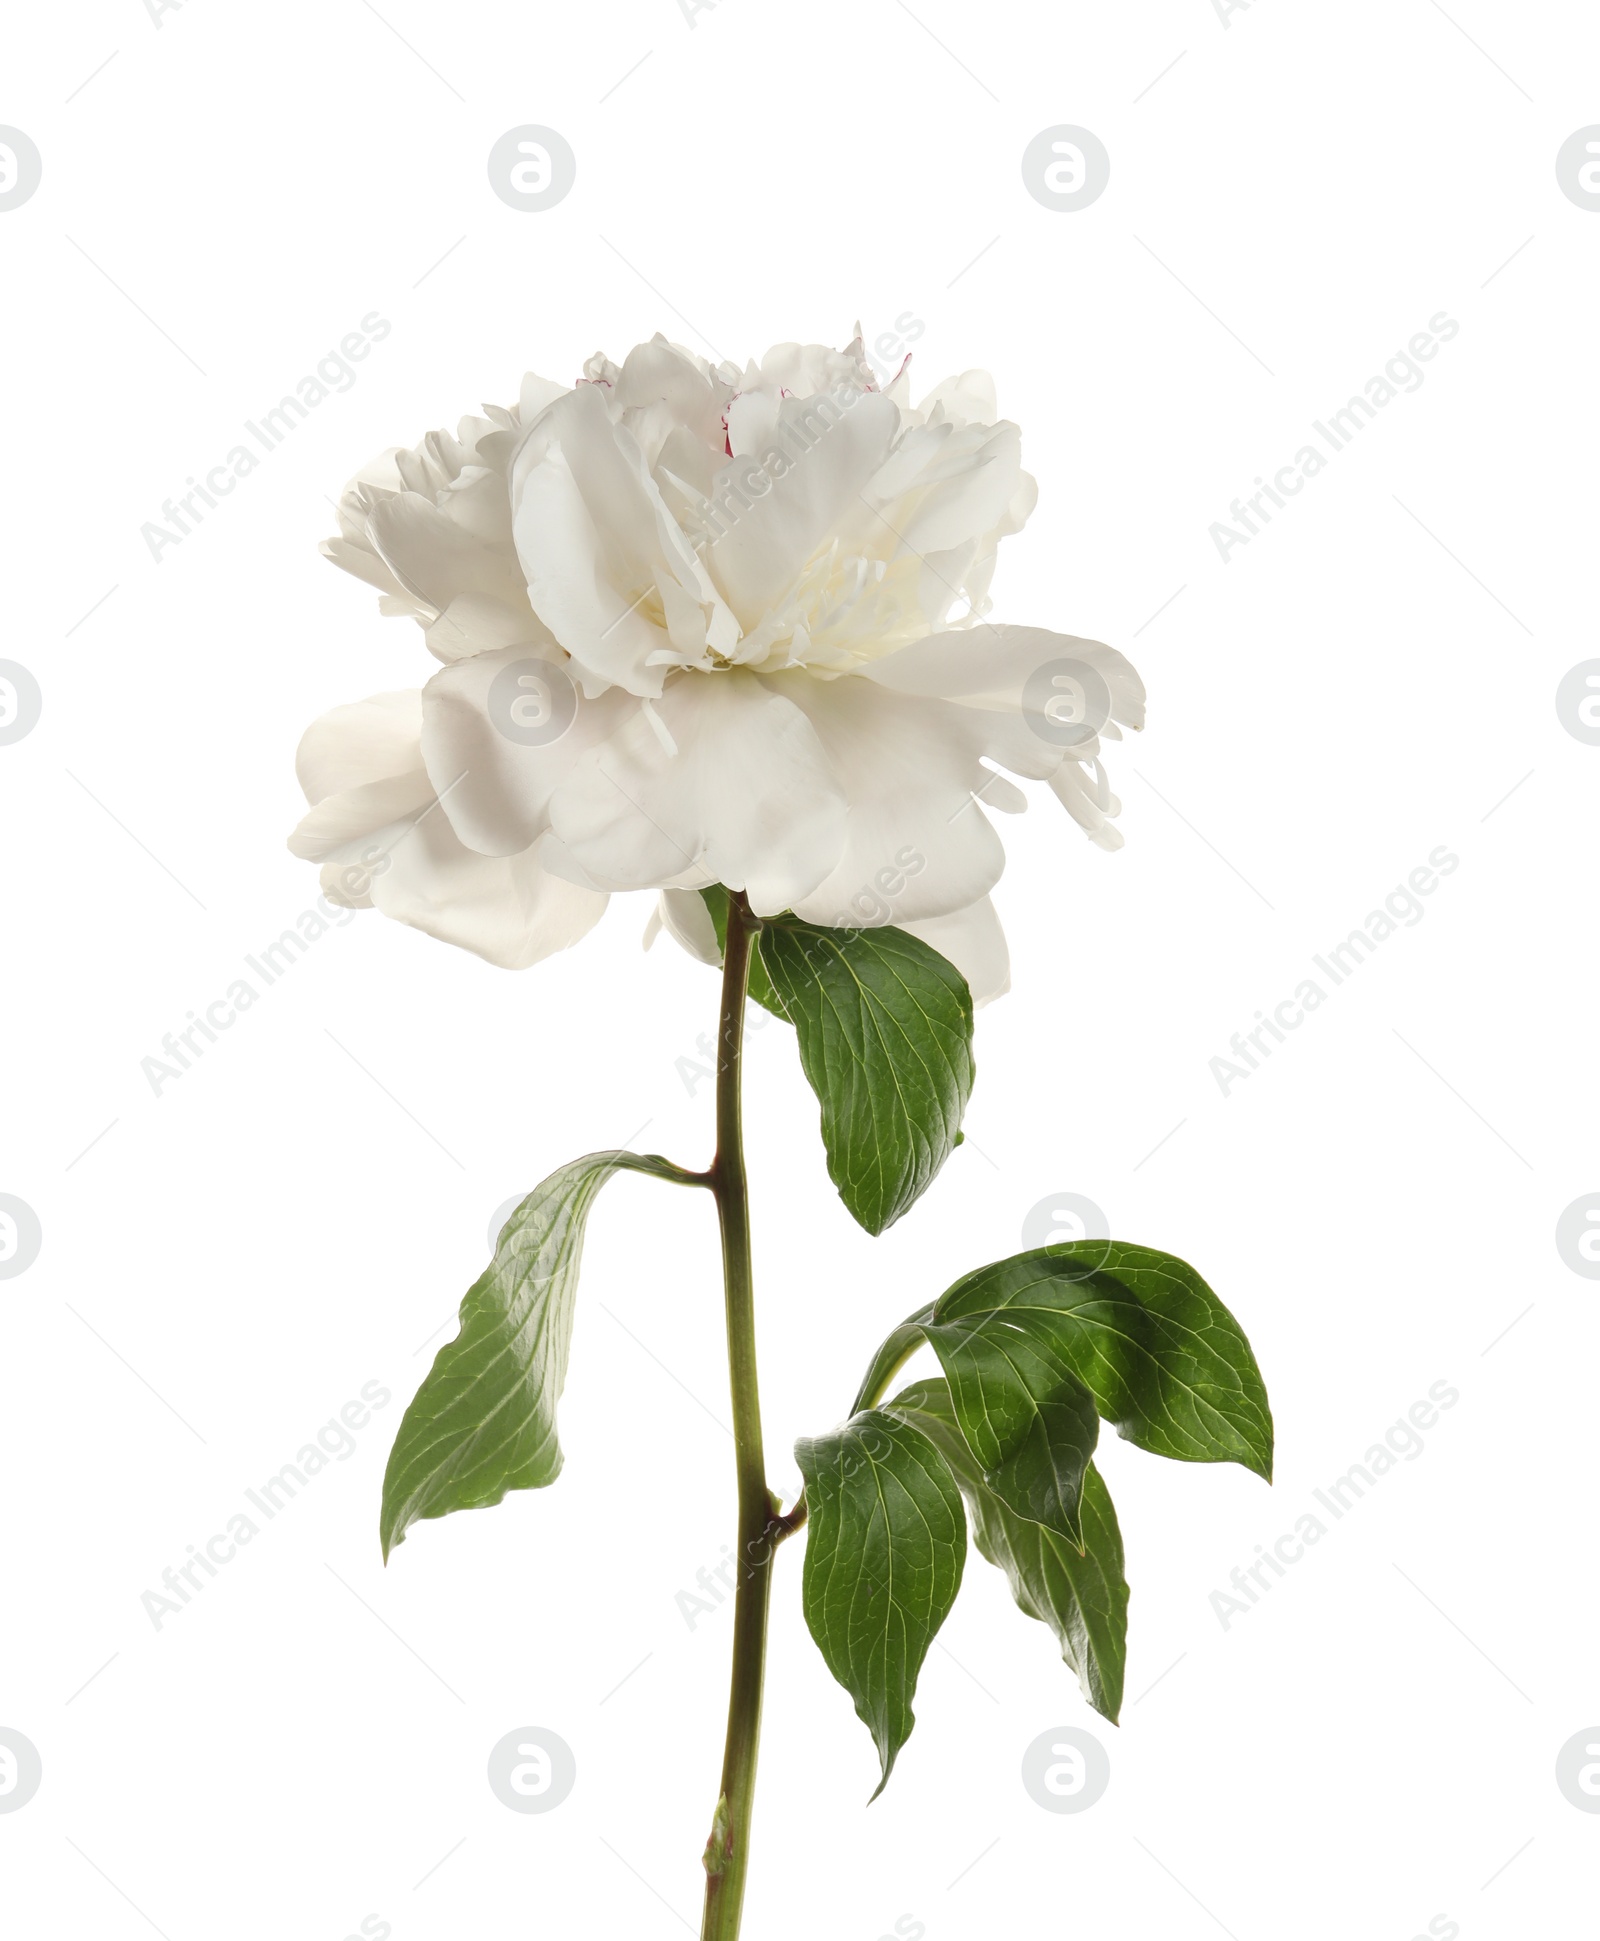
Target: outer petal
<point>918,845</point>
<point>991,667</point>
<point>495,789</point>
<point>989,670</point>
<point>475,624</point>
<point>508,909</point>
<point>349,889</point>
<point>964,480</point>
<point>1080,787</point>
<point>685,918</point>
<point>435,556</point>
<point>339,820</point>
<point>366,741</point>
<point>974,942</point>
<point>729,779</point>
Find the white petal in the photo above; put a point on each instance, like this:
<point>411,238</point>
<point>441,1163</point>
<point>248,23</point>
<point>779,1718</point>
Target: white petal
<point>496,788</point>
<point>348,891</point>
<point>685,918</point>
<point>508,909</point>
<point>833,452</point>
<point>658,372</point>
<point>752,423</point>
<point>918,845</point>
<point>356,556</point>
<point>537,394</point>
<point>367,741</point>
<point>974,942</point>
<point>560,861</point>
<point>967,399</point>
<point>991,667</point>
<point>434,557</point>
<point>1081,789</point>
<point>595,541</point>
<point>748,798</point>
<point>344,817</point>
<point>999,794</point>
<point>966,478</point>
<point>474,624</point>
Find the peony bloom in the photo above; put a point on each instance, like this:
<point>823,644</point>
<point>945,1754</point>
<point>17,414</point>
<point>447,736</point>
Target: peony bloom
<point>701,625</point>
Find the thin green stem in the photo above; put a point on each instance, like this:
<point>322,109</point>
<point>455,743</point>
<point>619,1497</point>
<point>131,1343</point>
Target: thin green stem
<point>727,1855</point>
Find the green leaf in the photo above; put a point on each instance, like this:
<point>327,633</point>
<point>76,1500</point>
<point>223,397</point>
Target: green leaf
<point>897,1349</point>
<point>484,1420</point>
<point>885,1030</point>
<point>1039,1347</point>
<point>886,1545</point>
<point>1031,1425</point>
<point>1164,1360</point>
<point>1083,1599</point>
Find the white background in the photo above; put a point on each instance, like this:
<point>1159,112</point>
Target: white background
<point>1373,1745</point>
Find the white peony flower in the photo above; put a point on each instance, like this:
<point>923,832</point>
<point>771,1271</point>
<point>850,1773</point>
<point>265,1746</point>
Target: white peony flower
<point>700,625</point>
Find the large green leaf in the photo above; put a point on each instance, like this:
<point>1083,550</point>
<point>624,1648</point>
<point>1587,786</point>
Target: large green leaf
<point>1083,1599</point>
<point>484,1420</point>
<point>884,1554</point>
<point>885,1030</point>
<point>1164,1360</point>
<point>1039,1347</point>
<point>1031,1425</point>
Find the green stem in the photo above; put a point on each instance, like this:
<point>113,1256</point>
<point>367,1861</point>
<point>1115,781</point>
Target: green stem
<point>727,1855</point>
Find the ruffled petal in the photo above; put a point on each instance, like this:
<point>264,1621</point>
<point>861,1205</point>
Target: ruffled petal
<point>992,666</point>
<point>918,845</point>
<point>597,544</point>
<point>436,557</point>
<point>830,453</point>
<point>660,373</point>
<point>499,733</point>
<point>365,741</point>
<point>507,909</point>
<point>721,780</point>
<point>339,820</point>
<point>965,400</point>
<point>685,918</point>
<point>348,889</point>
<point>475,624</point>
<point>964,479</point>
<point>1080,786</point>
